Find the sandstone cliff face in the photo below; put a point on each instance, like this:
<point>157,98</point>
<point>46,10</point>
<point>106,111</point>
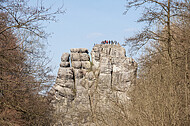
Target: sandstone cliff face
<point>84,87</point>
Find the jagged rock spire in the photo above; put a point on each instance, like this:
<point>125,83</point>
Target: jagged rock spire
<point>79,80</point>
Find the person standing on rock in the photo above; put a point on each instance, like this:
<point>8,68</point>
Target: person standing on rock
<point>106,41</point>
<point>114,42</point>
<point>111,42</point>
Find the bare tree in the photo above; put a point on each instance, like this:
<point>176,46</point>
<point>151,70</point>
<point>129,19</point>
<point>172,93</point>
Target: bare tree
<point>25,73</point>
<point>161,95</point>
<point>159,16</point>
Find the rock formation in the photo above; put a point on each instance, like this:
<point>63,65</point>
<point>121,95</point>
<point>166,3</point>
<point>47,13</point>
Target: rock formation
<point>83,86</point>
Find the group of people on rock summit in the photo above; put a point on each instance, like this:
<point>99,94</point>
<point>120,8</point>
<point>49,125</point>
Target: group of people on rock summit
<point>109,42</point>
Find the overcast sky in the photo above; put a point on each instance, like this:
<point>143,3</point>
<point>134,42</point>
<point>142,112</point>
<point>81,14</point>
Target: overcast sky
<point>87,22</point>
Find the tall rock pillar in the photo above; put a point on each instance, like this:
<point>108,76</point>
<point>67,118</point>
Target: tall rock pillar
<point>84,87</point>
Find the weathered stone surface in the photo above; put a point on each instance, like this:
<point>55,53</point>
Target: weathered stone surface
<point>78,73</point>
<point>84,57</point>
<point>59,88</point>
<point>96,56</point>
<point>105,81</point>
<point>86,64</point>
<point>80,57</point>
<point>63,80</point>
<point>96,48</point>
<point>64,92</point>
<point>66,73</point>
<point>75,56</point>
<point>65,57</point>
<point>109,74</point>
<point>67,84</point>
<point>83,50</point>
<point>65,64</point>
<point>79,50</point>
<point>106,66</point>
<point>74,50</point>
<point>77,64</point>
<point>90,76</point>
<point>117,52</point>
